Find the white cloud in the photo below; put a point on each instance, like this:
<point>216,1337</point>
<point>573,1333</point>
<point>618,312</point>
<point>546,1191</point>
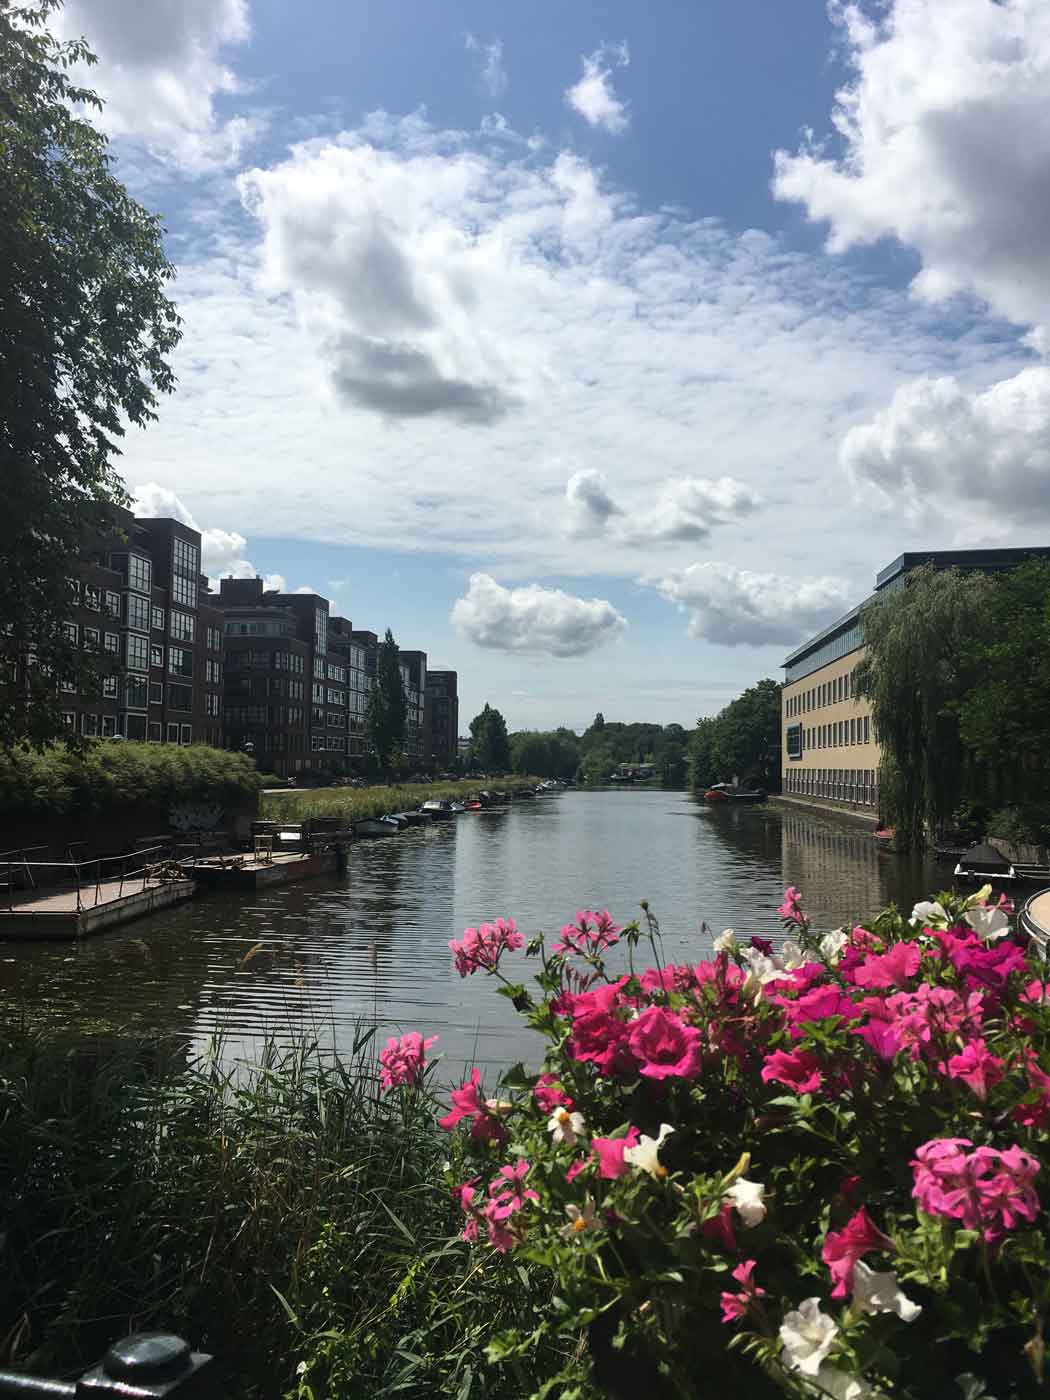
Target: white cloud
<point>943,143</point>
<point>491,71</point>
<point>306,588</point>
<point>222,551</point>
<point>684,509</point>
<point>593,96</point>
<point>275,583</point>
<point>941,448</point>
<point>558,330</point>
<point>161,70</point>
<point>534,619</point>
<point>738,607</point>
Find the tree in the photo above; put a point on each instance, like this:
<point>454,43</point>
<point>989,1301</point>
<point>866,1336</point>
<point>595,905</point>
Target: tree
<point>491,746</point>
<point>923,648</point>
<point>84,332</point>
<point>387,711</point>
<point>741,741</point>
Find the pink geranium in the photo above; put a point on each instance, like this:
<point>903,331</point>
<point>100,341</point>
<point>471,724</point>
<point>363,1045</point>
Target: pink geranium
<point>481,949</point>
<point>508,1194</point>
<point>842,1248</point>
<point>590,935</point>
<point>927,1020</point>
<point>403,1061</point>
<point>735,1305</point>
<point>791,908</point>
<point>984,1190</point>
<point>664,1046</point>
<point>467,1103</point>
<point>798,1069</point>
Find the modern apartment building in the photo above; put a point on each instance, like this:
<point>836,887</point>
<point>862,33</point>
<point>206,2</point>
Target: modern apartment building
<point>443,712</point>
<point>417,718</point>
<point>142,604</point>
<point>829,754</point>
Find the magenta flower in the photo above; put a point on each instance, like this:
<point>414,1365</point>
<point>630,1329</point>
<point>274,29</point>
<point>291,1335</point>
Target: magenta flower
<point>764,945</point>
<point>480,949</point>
<point>977,1067</point>
<point>719,1228</point>
<point>819,1004</point>
<point>791,908</point>
<point>926,1020</point>
<point>798,1069</point>
<point>984,1190</point>
<point>549,1094</point>
<point>609,1151</point>
<point>464,1195</point>
<point>466,1103</point>
<point>664,1046</point>
<point>891,969</point>
<point>842,1248</point>
<point>508,1194</point>
<point>590,935</point>
<point>735,1305</point>
<point>403,1061</point>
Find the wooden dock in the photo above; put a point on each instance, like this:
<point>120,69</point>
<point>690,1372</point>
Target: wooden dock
<point>72,913</point>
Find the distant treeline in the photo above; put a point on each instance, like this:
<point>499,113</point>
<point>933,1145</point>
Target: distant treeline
<point>742,741</point>
<point>602,748</point>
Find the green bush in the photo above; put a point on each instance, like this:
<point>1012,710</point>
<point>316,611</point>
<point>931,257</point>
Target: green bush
<point>112,774</point>
<point>1026,824</point>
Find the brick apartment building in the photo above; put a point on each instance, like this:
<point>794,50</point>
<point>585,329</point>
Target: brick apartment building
<point>443,715</point>
<point>142,605</point>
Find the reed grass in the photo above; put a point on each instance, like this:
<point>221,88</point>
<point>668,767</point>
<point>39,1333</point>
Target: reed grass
<point>283,1215</point>
<point>358,804</point>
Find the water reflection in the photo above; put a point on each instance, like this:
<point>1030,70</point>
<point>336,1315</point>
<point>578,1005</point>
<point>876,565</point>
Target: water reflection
<point>319,958</point>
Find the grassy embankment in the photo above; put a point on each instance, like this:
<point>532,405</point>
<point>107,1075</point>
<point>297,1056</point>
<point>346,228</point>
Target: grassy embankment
<point>286,1217</point>
<point>357,804</point>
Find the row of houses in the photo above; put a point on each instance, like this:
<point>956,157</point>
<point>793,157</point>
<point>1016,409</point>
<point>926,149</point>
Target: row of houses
<point>830,756</point>
<point>273,674</point>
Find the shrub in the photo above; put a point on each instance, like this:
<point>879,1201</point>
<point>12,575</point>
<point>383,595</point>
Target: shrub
<point>809,1170</point>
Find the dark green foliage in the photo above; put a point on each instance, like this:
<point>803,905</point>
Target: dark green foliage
<point>84,332</point>
<point>109,775</point>
<point>608,743</point>
<point>387,705</point>
<point>554,754</point>
<point>742,741</point>
<point>283,1215</point>
<point>490,745</point>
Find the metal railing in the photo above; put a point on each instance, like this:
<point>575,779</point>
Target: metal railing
<point>91,874</point>
<point>18,860</point>
<point>144,1366</point>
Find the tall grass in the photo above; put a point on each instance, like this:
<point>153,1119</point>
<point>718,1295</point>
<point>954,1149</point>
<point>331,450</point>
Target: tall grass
<point>283,1215</point>
<point>358,804</point>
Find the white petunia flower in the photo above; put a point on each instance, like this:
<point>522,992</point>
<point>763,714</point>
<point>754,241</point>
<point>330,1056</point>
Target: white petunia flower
<point>989,924</point>
<point>564,1126</point>
<point>725,942</point>
<point>763,969</point>
<point>929,914</point>
<point>645,1155</point>
<point>877,1293</point>
<point>748,1199</point>
<point>580,1221</point>
<point>839,1385</point>
<point>807,1336</point>
<point>790,955</point>
<point>832,944</point>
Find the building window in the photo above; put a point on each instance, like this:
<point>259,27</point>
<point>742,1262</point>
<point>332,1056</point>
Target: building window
<point>182,626</point>
<point>154,732</point>
<point>113,642</point>
<point>187,734</point>
<point>213,672</point>
<point>140,572</point>
<point>184,591</point>
<point>138,613</point>
<point>156,656</point>
<point>109,726</point>
<point>173,733</point>
<point>89,726</point>
<point>180,697</point>
<point>135,692</point>
<point>69,719</point>
<point>113,604</point>
<point>157,619</point>
<point>91,638</point>
<point>137,652</point>
<point>156,693</point>
<point>214,639</point>
<point>185,557</point>
<point>109,687</point>
<point>336,697</point>
<point>72,632</point>
<point>92,598</point>
<point>180,661</point>
<point>211,704</point>
<point>794,741</point>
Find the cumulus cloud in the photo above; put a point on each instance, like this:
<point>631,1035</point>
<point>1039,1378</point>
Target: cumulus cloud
<point>534,619</point>
<point>594,96</point>
<point>222,551</point>
<point>161,71</point>
<point>944,131</point>
<point>685,509</point>
<point>739,607</point>
<point>937,444</point>
<point>491,73</point>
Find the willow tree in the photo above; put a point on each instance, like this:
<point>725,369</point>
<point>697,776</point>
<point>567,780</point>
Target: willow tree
<point>85,329</point>
<point>923,645</point>
<point>387,715</point>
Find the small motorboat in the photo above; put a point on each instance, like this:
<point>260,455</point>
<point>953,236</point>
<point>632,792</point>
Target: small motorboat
<point>728,792</point>
<point>377,826</point>
<point>419,818</point>
<point>474,806</point>
<point>439,809</point>
<point>457,807</point>
<point>984,864</point>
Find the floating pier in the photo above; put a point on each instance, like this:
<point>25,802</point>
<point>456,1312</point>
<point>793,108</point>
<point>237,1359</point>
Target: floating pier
<point>76,913</point>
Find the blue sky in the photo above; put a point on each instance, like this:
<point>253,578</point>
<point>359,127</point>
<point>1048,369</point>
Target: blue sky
<point>602,351</point>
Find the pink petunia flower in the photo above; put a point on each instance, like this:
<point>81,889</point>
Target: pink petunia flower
<point>736,1305</point>
<point>664,1045</point>
<point>984,1190</point>
<point>467,1103</point>
<point>842,1248</point>
<point>403,1061</point>
<point>892,969</point>
<point>609,1151</point>
<point>791,908</point>
<point>977,1067</point>
<point>798,1069</point>
<point>549,1094</point>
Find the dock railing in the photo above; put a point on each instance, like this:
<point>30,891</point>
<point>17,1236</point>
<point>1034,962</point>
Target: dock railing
<point>89,875</point>
<point>144,1366</point>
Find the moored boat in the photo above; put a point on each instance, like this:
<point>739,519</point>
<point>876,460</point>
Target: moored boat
<point>984,863</point>
<point>438,809</point>
<point>377,826</point>
<point>727,792</point>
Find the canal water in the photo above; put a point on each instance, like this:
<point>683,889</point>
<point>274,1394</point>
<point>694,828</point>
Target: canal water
<point>371,947</point>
